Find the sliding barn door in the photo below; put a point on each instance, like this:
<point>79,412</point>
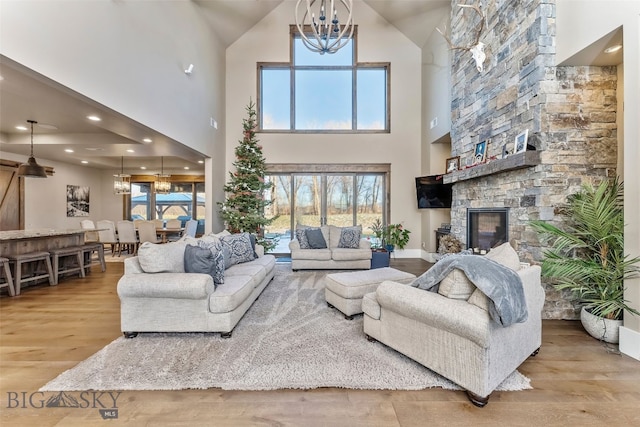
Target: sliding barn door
<point>11,209</point>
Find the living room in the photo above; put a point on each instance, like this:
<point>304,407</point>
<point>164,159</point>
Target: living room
<point>157,56</point>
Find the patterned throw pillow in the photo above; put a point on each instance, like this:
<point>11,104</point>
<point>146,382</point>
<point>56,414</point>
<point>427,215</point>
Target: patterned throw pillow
<point>301,235</point>
<point>216,249</point>
<point>350,237</point>
<point>315,238</point>
<point>239,246</point>
<point>202,260</point>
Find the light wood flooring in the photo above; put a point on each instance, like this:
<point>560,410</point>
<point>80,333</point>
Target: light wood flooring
<point>576,380</point>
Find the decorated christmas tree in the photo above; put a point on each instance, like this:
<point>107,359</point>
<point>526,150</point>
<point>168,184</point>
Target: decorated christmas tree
<point>243,209</point>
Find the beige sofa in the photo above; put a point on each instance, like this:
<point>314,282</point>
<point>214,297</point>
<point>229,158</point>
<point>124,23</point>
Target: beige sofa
<point>333,257</point>
<point>189,302</point>
<point>456,337</point>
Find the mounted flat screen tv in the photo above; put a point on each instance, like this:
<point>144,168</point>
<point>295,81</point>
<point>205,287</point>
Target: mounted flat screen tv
<point>432,193</point>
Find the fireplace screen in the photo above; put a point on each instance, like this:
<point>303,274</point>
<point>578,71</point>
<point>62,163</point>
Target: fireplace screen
<point>487,228</point>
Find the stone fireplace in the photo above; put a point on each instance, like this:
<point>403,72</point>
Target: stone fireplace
<point>569,112</point>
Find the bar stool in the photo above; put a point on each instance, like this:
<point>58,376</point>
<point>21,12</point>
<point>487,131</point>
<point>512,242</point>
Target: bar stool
<point>7,276</point>
<point>57,254</point>
<point>88,251</point>
<point>31,257</point>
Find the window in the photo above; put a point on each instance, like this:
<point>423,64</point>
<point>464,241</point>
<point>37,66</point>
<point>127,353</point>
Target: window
<point>335,194</point>
<point>185,201</point>
<point>323,93</point>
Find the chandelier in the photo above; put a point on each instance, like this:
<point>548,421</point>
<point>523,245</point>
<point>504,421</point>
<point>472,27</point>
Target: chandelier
<point>326,34</point>
<point>32,169</point>
<point>122,181</point>
<point>163,185</point>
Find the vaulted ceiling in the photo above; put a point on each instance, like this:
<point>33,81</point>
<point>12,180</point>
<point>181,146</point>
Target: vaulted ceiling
<point>29,95</point>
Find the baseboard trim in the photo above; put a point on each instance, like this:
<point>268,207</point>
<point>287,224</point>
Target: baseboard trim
<point>629,342</point>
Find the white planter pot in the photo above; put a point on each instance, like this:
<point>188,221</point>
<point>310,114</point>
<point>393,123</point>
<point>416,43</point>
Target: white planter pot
<point>600,328</point>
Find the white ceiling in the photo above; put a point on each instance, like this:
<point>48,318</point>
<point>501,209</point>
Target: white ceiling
<point>25,94</point>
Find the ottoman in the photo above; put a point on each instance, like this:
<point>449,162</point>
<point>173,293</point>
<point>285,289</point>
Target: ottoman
<point>344,291</point>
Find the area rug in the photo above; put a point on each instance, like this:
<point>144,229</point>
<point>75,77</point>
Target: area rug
<point>289,339</point>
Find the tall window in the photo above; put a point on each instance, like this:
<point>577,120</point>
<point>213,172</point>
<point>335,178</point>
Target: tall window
<point>323,93</point>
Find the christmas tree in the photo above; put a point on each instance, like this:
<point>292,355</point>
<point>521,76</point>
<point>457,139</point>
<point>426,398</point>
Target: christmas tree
<point>243,209</point>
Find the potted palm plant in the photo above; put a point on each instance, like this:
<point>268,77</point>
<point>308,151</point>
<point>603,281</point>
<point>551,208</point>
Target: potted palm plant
<point>586,256</point>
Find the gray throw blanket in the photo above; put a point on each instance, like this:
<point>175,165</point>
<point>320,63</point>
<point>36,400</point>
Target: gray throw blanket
<point>501,284</point>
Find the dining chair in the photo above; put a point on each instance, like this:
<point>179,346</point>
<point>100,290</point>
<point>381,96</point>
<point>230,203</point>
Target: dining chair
<point>147,232</point>
<point>190,228</point>
<point>159,223</point>
<point>137,222</point>
<point>107,234</point>
<point>89,236</point>
<point>174,223</point>
<point>127,237</point>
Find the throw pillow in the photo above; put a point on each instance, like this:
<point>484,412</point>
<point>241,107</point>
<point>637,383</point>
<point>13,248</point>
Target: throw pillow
<point>479,299</point>
<point>240,249</point>
<point>214,245</point>
<point>505,255</point>
<point>350,237</point>
<point>301,235</point>
<point>456,285</point>
<point>316,239</point>
<point>161,258</point>
<point>202,260</point>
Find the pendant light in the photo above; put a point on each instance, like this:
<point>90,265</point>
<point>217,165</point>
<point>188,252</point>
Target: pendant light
<point>122,181</point>
<point>32,169</point>
<point>163,185</point>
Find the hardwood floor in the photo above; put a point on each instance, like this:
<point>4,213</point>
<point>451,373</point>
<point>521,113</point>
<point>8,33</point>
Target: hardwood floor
<point>576,380</point>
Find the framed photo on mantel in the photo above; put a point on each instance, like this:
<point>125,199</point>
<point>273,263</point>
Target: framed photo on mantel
<point>453,164</point>
<point>521,142</point>
<point>480,153</point>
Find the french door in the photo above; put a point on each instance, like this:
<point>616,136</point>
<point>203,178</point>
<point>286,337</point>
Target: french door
<point>319,198</point>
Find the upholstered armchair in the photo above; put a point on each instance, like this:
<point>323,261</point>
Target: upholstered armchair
<point>452,332</point>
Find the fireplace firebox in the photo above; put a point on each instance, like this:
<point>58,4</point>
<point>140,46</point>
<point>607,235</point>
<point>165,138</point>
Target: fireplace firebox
<point>487,228</point>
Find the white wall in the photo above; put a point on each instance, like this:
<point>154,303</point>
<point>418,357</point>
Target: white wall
<point>436,101</point>
<point>130,57</point>
<point>580,23</point>
<point>378,41</point>
<point>436,82</point>
<point>127,55</point>
<point>45,198</point>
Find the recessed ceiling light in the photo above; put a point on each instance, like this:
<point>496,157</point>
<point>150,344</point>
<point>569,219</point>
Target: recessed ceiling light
<point>84,161</point>
<point>186,168</point>
<point>68,150</point>
<point>201,161</point>
<point>143,167</point>
<point>147,140</point>
<point>94,118</point>
<point>130,151</point>
<point>20,127</point>
<point>613,49</point>
<point>94,148</point>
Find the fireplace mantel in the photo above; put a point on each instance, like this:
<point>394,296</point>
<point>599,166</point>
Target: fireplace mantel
<point>522,160</point>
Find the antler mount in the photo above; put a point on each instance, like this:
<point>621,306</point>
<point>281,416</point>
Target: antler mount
<point>476,47</point>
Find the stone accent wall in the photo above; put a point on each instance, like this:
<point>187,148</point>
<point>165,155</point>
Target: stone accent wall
<point>570,113</point>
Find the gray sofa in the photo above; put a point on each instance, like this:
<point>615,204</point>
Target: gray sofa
<point>189,302</point>
<point>333,257</point>
<point>453,334</point>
